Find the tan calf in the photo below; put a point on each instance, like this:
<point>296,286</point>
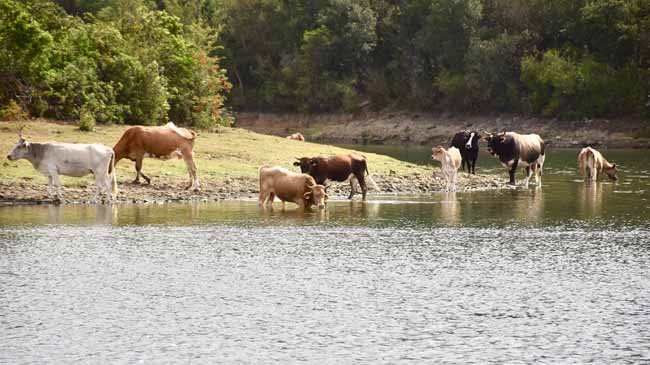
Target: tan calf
<point>592,164</point>
<point>163,143</point>
<point>451,161</point>
<point>289,186</point>
<point>297,137</point>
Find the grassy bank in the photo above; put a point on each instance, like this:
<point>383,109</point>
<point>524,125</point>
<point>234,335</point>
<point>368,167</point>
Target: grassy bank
<point>228,153</point>
<point>228,161</point>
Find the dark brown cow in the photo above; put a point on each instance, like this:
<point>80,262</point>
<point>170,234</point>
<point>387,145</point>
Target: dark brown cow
<point>338,168</point>
<point>158,142</point>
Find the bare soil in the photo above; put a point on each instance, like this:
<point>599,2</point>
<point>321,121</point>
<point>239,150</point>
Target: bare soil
<point>407,128</point>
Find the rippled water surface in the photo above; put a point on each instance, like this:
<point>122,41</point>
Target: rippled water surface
<point>553,275</point>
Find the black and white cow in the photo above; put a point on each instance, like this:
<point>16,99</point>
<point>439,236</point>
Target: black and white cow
<point>515,149</point>
<point>467,144</point>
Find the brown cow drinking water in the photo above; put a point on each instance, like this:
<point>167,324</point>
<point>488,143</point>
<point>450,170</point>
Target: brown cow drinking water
<point>290,186</point>
<point>158,142</point>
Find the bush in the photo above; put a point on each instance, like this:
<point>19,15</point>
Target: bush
<point>86,120</point>
<point>12,111</point>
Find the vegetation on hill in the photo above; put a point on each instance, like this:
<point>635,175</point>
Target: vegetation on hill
<point>149,61</point>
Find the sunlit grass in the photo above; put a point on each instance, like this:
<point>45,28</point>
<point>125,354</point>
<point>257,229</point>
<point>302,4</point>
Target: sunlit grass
<point>230,152</point>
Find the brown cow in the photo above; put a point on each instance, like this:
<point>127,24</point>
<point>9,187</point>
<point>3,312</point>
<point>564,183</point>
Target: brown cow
<point>297,137</point>
<point>158,142</point>
<point>290,186</point>
<point>593,164</point>
<point>338,168</point>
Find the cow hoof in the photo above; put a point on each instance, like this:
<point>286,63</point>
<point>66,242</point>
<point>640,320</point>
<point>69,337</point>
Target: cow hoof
<point>135,182</point>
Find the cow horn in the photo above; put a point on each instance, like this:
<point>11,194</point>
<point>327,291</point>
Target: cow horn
<point>20,131</point>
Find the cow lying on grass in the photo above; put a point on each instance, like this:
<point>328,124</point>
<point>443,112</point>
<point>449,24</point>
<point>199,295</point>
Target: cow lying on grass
<point>338,168</point>
<point>297,137</point>
<point>289,186</point>
<point>163,143</point>
<point>451,161</point>
<point>593,164</point>
<point>69,159</point>
<point>514,149</point>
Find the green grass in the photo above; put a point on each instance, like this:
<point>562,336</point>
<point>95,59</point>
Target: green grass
<point>230,152</point>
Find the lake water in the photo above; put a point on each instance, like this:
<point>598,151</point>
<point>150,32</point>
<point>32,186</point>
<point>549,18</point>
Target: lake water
<point>559,274</point>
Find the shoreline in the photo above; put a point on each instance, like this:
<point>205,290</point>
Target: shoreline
<point>427,129</point>
<point>162,190</point>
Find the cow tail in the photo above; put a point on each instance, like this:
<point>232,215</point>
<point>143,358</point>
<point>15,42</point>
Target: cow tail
<point>113,173</point>
<point>372,182</point>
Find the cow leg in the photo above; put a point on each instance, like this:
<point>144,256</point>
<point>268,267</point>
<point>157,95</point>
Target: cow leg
<point>49,185</point>
<point>352,189</point>
<point>463,161</point>
<point>512,171</point>
<point>191,168</point>
<point>99,183</point>
<point>528,171</point>
<point>473,166</point>
<point>362,184</point>
<point>138,170</point>
<point>57,184</point>
<point>455,179</point>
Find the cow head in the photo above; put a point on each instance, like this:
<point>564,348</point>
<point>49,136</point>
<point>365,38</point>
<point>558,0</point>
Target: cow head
<point>316,195</point>
<point>494,141</point>
<point>304,163</point>
<point>438,153</point>
<point>471,139</point>
<point>611,172</point>
<point>20,150</point>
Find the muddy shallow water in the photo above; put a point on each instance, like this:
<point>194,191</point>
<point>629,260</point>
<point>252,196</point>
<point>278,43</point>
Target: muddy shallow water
<point>557,274</point>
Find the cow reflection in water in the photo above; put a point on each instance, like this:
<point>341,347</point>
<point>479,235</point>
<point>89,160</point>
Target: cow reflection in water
<point>364,210</point>
<point>590,197</point>
<point>450,207</point>
<point>98,214</point>
<point>293,216</point>
<point>528,204</point>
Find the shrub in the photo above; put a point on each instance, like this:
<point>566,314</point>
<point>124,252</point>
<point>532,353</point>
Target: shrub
<point>86,120</point>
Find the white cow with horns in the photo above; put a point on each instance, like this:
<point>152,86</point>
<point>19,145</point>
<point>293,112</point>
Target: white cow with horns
<point>53,159</point>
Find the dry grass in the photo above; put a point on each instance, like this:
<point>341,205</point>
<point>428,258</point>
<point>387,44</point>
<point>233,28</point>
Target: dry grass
<point>230,152</point>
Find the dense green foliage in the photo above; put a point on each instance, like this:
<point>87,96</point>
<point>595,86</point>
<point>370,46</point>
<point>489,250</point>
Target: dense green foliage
<point>119,61</point>
<point>148,61</point>
<point>567,58</point>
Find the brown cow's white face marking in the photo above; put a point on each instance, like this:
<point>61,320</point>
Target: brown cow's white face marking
<point>20,150</point>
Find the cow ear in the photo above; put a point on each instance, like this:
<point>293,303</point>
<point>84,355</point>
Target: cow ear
<point>313,162</point>
<point>613,166</point>
<point>306,195</point>
<point>297,163</point>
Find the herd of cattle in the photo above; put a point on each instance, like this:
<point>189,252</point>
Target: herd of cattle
<point>307,188</point>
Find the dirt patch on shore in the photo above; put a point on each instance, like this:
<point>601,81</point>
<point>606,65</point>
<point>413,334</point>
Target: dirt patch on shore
<point>167,191</point>
<point>407,128</point>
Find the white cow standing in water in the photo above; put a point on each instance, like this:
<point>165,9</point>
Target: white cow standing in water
<point>451,160</point>
<point>53,159</point>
